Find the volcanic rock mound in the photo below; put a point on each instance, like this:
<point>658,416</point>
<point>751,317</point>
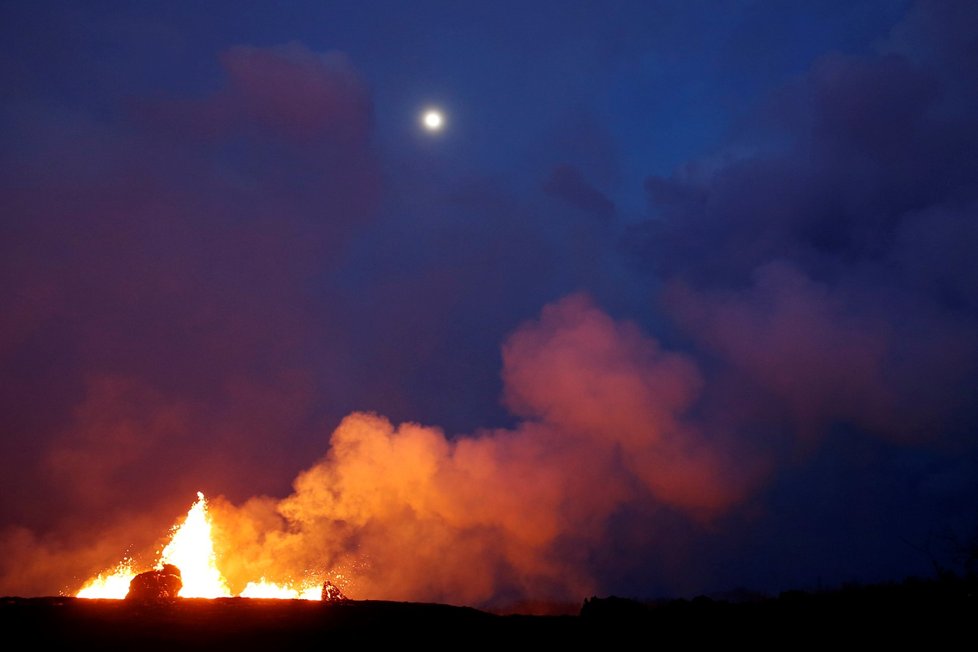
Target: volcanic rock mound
<point>162,584</point>
<point>331,593</point>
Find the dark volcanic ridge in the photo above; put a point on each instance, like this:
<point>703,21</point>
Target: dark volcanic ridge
<point>930,609</point>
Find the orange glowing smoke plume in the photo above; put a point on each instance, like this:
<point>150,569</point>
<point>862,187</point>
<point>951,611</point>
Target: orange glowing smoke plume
<point>191,549</point>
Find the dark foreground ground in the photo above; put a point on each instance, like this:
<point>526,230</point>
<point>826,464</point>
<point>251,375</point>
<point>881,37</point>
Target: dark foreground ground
<point>931,614</point>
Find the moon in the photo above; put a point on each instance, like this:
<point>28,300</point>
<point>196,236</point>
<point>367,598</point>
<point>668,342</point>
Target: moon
<point>433,120</point>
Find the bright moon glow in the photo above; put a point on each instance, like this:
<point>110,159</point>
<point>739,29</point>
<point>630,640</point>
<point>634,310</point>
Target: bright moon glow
<point>433,120</point>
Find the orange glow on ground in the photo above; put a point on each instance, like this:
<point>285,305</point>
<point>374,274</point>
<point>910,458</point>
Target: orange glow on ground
<point>265,589</point>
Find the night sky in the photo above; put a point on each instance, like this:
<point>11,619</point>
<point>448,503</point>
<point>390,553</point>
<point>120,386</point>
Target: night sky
<point>682,298</point>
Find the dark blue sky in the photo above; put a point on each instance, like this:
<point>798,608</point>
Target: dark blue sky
<point>696,279</point>
<point>660,83</point>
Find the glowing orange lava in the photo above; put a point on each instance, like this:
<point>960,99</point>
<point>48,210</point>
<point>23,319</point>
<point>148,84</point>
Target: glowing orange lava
<point>112,585</point>
<point>265,589</point>
<point>191,549</point>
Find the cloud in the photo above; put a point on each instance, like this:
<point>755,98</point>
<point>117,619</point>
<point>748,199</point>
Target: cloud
<point>160,288</point>
<point>410,513</point>
<point>298,93</point>
<point>502,513</point>
<point>197,289</point>
<point>826,355</point>
<point>567,183</point>
<point>824,265</point>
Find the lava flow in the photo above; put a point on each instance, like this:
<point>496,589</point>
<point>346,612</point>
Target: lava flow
<point>191,549</point>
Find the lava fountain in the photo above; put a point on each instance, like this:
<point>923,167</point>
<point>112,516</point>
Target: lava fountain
<point>113,585</point>
<point>191,549</point>
<point>265,589</point>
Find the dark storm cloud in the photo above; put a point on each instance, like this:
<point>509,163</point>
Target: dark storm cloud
<point>855,353</point>
<point>868,145</point>
<point>567,183</point>
<point>864,205</point>
<point>821,265</point>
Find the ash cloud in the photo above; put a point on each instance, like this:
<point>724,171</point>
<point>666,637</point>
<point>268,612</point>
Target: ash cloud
<point>827,266</point>
<point>818,270</point>
<point>506,513</point>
